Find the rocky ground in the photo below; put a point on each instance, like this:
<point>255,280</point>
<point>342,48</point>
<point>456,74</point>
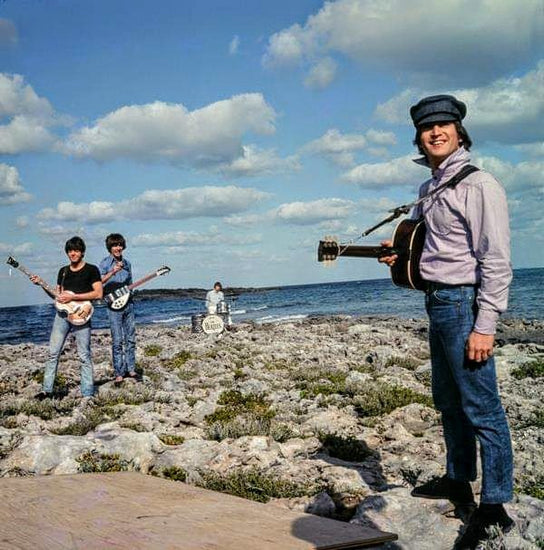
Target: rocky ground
<point>330,415</point>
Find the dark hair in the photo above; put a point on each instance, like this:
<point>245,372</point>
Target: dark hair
<point>113,239</point>
<point>75,243</point>
<point>217,283</point>
<point>464,138</point>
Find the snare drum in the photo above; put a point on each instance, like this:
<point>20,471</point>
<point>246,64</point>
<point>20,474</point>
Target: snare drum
<point>196,322</point>
<point>223,307</point>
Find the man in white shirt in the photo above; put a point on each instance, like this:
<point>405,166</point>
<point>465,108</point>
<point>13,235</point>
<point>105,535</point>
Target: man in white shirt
<point>213,297</point>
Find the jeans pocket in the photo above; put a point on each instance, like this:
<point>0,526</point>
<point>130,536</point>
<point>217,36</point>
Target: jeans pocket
<point>449,296</point>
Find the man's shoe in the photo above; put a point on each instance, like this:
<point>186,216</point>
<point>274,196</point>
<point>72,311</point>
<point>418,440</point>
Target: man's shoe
<point>458,492</point>
<point>477,531</point>
<point>40,396</point>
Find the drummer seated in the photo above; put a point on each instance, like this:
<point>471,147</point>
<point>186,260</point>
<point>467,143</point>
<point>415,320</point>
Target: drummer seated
<point>213,297</point>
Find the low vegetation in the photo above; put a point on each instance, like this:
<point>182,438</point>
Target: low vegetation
<point>531,369</point>
<point>378,399</point>
<point>93,462</point>
<point>345,447</point>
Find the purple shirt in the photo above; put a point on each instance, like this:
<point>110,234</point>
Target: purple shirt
<point>468,237</point>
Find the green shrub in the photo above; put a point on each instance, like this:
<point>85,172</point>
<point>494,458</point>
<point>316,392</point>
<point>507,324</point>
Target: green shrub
<point>171,439</point>
<point>175,473</point>
<point>239,415</point>
<point>379,399</point>
<point>312,382</point>
<point>345,448</point>
<point>92,418</point>
<point>532,369</point>
<point>178,360</point>
<point>532,486</point>
<point>46,409</point>
<point>404,362</point>
<point>152,350</point>
<point>257,485</point>
<point>92,462</point>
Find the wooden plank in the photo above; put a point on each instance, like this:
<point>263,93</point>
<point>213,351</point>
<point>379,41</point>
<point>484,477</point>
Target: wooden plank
<point>134,511</point>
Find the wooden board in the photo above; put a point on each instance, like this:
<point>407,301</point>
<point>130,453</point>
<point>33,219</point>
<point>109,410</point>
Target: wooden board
<point>134,511</point>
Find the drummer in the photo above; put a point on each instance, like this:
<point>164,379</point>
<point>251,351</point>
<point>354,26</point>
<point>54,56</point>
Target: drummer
<point>214,296</point>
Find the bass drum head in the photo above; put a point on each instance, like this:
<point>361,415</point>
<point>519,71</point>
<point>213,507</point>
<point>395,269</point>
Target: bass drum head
<point>213,324</point>
<point>196,322</point>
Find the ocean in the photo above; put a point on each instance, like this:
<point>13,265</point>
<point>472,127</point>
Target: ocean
<point>370,297</point>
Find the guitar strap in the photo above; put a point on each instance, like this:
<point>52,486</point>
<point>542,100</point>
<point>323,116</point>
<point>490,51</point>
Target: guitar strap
<point>405,208</point>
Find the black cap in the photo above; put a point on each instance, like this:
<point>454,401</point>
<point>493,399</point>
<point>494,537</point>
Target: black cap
<point>438,108</point>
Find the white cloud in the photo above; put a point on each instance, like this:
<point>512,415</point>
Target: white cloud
<point>22,221</point>
<point>532,149</point>
<point>23,133</point>
<point>8,32</point>
<point>24,249</point>
<point>340,148</point>
<point>192,238</point>
<point>30,117</point>
<point>417,37</point>
<point>191,202</point>
<point>400,171</point>
<point>206,137</point>
<point>379,137</point>
<point>11,190</point>
<point>234,45</point>
<point>508,110</point>
<point>337,147</point>
<point>321,74</point>
<point>238,220</point>
<point>308,213</point>
<point>257,162</point>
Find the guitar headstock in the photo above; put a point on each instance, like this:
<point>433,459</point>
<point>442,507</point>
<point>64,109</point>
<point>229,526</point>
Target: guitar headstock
<point>163,270</point>
<point>12,262</point>
<point>327,250</point>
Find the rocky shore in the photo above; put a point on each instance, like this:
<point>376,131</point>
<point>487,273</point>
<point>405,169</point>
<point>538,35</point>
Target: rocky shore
<point>331,415</point>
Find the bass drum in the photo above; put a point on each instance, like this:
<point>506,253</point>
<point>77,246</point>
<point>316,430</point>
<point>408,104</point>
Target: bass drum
<point>196,322</point>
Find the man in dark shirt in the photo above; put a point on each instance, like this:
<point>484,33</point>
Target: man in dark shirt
<point>76,282</point>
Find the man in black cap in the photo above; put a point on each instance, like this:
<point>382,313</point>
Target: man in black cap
<point>466,263</point>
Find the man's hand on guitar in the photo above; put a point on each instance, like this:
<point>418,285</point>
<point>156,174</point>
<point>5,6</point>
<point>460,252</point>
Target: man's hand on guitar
<point>35,279</point>
<point>389,260</point>
<point>480,346</point>
<point>65,297</point>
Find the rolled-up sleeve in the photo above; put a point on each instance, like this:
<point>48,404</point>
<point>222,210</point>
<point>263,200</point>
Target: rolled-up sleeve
<point>487,220</point>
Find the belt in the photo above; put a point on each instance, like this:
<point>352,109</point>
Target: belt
<point>431,286</point>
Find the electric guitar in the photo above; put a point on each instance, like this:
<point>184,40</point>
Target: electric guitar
<point>118,299</point>
<point>408,240</point>
<point>75,312</point>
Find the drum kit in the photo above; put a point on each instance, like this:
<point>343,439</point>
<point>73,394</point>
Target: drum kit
<point>212,323</point>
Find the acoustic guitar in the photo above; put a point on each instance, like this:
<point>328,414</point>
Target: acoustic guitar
<point>118,299</point>
<point>408,240</point>
<point>75,312</point>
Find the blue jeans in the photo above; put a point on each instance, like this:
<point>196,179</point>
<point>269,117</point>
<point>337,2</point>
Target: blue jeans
<point>123,339</point>
<point>466,394</point>
<point>59,332</point>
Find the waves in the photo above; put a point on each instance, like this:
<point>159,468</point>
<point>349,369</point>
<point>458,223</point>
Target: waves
<point>284,304</point>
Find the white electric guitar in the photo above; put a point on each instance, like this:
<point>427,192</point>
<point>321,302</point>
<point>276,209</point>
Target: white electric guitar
<point>75,312</point>
<point>118,299</point>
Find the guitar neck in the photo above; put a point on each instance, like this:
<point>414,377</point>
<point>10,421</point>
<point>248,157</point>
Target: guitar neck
<point>360,251</point>
<point>43,284</point>
<point>143,280</point>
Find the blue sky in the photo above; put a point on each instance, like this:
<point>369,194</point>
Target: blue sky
<point>225,138</point>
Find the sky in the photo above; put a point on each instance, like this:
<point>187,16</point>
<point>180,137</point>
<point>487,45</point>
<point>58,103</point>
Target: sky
<point>225,138</point>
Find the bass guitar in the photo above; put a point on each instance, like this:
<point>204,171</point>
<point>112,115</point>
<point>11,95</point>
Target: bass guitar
<point>408,240</point>
<point>118,299</point>
<point>75,312</point>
